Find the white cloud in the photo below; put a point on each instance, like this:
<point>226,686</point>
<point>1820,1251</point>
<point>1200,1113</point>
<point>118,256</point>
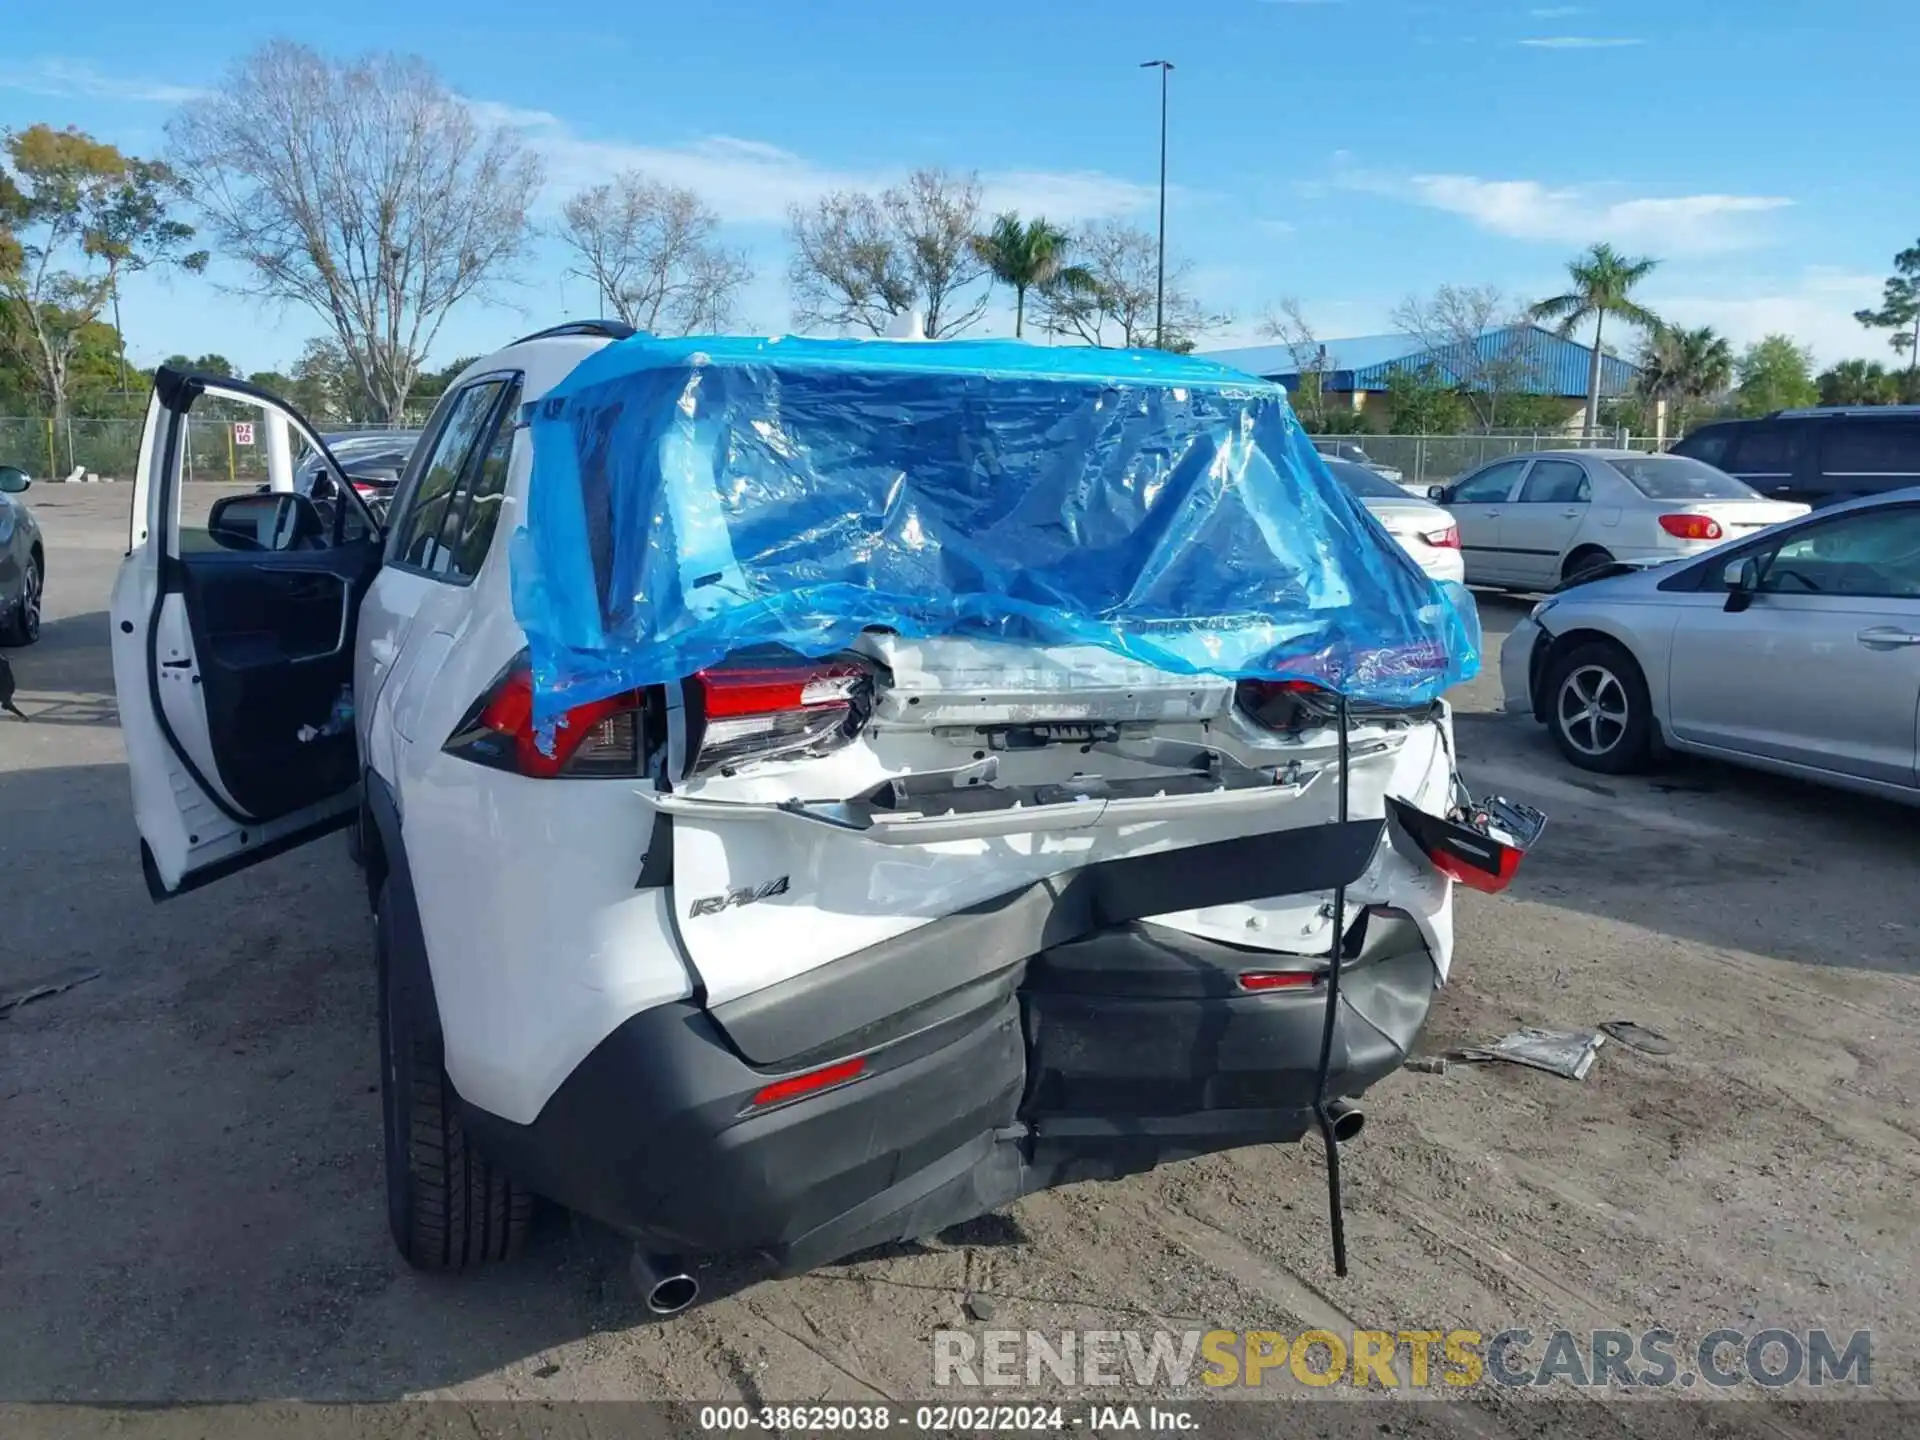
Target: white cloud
<point>753,182</point>
<point>1816,310</point>
<point>1581,215</point>
<point>70,79</point>
<point>1580,42</point>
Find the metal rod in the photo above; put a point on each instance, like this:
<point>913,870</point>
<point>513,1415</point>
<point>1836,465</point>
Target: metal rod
<point>1321,1111</point>
<point>1160,275</point>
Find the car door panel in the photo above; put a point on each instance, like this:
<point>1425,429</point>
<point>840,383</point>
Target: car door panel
<point>1479,505</point>
<point>231,666</point>
<point>1546,515</point>
<point>1808,673</point>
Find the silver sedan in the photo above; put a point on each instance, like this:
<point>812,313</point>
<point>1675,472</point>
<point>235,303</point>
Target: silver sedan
<point>1796,650</point>
<point>1530,521</point>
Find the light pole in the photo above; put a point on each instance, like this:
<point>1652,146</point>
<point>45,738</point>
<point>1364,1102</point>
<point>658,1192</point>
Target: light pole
<point>1160,277</point>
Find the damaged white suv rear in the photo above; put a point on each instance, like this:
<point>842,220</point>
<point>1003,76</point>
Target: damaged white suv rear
<point>814,793</point>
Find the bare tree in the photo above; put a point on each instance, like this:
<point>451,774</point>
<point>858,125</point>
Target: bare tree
<point>365,190</point>
<point>1109,300</point>
<point>1288,323</point>
<point>861,261</point>
<point>651,249</point>
<point>1481,351</point>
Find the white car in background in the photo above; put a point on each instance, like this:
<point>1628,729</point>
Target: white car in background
<point>1424,530</point>
<point>1532,521</point>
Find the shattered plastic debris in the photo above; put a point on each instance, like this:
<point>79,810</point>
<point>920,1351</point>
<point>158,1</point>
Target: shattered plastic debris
<point>54,984</point>
<point>1567,1053</point>
<point>691,498</point>
<point>1638,1037</point>
<point>338,722</point>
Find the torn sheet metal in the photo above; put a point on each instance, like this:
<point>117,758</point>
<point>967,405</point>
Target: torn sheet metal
<point>1566,1053</point>
<point>694,498</point>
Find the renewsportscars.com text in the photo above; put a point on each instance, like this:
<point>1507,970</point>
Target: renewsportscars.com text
<point>1402,1359</point>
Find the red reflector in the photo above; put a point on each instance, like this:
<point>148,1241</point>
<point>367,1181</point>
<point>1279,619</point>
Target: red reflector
<point>811,1083</point>
<point>1278,979</point>
<point>1691,527</point>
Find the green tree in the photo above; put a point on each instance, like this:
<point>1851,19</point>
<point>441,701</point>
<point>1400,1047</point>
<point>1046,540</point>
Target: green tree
<point>1603,284</point>
<point>1900,308</point>
<point>1685,368</point>
<point>75,214</point>
<point>210,363</point>
<point>1028,254</point>
<point>1420,402</point>
<point>1859,382</point>
<point>1774,374</point>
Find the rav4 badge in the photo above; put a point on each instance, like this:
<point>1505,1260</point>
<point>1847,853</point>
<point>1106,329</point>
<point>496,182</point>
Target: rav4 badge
<point>745,895</point>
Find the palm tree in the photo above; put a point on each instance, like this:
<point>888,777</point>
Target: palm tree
<point>1685,367</point>
<point>1025,255</point>
<point>1859,382</point>
<point>1603,281</point>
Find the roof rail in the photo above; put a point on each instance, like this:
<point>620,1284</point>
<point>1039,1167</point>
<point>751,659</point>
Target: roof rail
<point>605,329</point>
<point>1810,411</point>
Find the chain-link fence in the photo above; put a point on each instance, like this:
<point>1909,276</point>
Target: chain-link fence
<point>110,449</point>
<point>1437,459</point>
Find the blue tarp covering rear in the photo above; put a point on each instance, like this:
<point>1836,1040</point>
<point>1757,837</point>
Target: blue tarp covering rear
<point>693,497</point>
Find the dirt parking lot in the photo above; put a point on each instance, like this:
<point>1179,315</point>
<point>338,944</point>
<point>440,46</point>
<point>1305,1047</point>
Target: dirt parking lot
<point>190,1176</point>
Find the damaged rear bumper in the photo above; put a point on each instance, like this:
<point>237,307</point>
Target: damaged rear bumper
<point>1055,1035</point>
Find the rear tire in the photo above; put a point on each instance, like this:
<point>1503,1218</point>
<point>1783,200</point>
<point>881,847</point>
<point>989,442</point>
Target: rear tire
<point>447,1207</point>
<point>1598,709</point>
<point>1581,561</point>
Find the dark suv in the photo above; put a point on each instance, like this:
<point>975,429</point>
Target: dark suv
<point>1817,456</point>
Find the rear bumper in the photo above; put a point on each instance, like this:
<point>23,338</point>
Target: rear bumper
<point>1103,1056</point>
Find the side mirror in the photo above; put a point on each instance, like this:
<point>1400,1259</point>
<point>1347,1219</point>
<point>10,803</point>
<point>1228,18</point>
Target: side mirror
<point>1742,579</point>
<point>1437,494</point>
<point>274,521</point>
<point>13,481</point>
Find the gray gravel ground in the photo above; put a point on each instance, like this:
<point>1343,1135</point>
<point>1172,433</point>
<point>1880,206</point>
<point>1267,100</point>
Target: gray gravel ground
<point>190,1176</point>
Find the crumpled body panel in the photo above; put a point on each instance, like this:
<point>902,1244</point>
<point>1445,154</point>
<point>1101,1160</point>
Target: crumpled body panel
<point>694,497</point>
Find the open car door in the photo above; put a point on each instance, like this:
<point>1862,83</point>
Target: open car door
<point>233,641</point>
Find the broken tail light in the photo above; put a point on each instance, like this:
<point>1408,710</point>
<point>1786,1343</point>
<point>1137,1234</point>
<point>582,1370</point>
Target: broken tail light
<point>600,739</point>
<point>742,713</point>
<point>1691,527</point>
<point>1480,843</point>
<point>1288,706</point>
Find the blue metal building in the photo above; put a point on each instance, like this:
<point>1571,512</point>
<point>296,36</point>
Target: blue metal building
<point>1546,364</point>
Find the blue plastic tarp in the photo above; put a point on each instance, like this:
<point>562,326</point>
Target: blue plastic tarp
<point>690,498</point>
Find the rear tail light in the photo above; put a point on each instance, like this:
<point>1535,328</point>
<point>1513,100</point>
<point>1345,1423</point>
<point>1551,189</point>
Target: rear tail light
<point>827,1077</point>
<point>738,714</point>
<point>602,738</point>
<point>1291,705</point>
<point>361,488</point>
<point>1447,539</point>
<point>1480,846</point>
<point>1692,527</point>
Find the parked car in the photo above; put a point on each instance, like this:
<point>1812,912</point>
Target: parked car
<point>1796,650</point>
<point>1818,456</point>
<point>372,459</point>
<point>1350,450</point>
<point>1424,530</point>
<point>1531,521</point>
<point>622,967</point>
<point>23,561</point>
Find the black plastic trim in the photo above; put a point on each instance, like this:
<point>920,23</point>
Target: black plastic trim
<point>878,993</point>
<point>605,329</point>
<point>234,864</point>
<point>408,951</point>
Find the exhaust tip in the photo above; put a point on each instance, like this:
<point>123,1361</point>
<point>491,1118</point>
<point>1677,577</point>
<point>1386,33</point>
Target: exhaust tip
<point>673,1294</point>
<point>1348,1120</point>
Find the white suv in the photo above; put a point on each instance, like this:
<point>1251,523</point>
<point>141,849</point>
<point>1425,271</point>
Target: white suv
<point>635,974</point>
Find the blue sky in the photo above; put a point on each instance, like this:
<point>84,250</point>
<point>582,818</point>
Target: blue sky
<point>1344,152</point>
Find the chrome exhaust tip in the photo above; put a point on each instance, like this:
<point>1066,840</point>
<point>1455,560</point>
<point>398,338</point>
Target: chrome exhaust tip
<point>1348,1119</point>
<point>664,1283</point>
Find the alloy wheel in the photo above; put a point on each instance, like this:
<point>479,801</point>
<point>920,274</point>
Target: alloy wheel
<point>1592,709</point>
<point>30,605</point>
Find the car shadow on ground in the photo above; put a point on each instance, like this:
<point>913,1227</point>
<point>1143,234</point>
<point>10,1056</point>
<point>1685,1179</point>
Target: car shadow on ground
<point>1734,858</point>
<point>66,676</point>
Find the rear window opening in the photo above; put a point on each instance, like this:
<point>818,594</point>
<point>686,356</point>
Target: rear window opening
<point>1676,477</point>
